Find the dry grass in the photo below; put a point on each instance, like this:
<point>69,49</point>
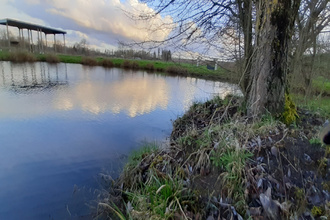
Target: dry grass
<point>89,61</point>
<point>150,67</point>
<point>126,64</point>
<point>21,57</point>
<point>176,70</point>
<point>107,63</point>
<point>52,58</point>
<point>135,65</point>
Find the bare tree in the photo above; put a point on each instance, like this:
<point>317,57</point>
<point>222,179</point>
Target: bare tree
<point>267,27</point>
<point>313,17</point>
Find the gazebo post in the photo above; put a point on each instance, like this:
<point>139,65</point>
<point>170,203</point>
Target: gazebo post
<point>38,40</point>
<point>42,44</point>
<point>8,37</point>
<point>23,39</point>
<point>31,41</point>
<point>54,43</point>
<point>64,43</point>
<point>46,40</point>
<point>19,38</point>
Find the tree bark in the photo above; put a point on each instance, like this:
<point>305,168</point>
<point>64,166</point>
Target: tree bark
<point>269,69</point>
<point>245,18</point>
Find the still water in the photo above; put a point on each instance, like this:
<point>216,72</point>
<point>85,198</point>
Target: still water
<point>63,125</point>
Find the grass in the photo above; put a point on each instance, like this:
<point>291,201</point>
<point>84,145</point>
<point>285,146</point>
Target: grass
<point>321,85</point>
<point>138,155</point>
<point>208,157</point>
<point>233,161</point>
<point>183,69</point>
<point>159,198</point>
<point>317,104</point>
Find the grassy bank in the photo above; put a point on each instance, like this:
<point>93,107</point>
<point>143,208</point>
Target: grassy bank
<point>148,65</point>
<point>220,165</point>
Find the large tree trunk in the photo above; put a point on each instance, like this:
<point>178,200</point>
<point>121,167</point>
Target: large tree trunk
<point>275,20</point>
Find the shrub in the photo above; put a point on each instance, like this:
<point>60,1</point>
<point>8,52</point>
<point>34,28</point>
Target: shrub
<point>135,65</point>
<point>160,69</point>
<point>176,70</point>
<point>126,64</point>
<point>52,58</point>
<point>89,61</point>
<point>106,63</point>
<point>21,56</point>
<point>150,67</point>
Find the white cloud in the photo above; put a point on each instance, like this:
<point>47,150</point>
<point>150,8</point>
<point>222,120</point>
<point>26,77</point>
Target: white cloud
<point>8,10</point>
<point>33,2</point>
<point>102,22</point>
<point>109,17</point>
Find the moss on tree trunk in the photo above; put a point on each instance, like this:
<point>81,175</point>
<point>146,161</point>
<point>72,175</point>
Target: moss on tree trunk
<point>275,19</point>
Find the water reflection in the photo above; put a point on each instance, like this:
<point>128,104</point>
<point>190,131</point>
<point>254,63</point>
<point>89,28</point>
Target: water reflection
<point>132,96</point>
<point>26,77</point>
<point>60,125</point>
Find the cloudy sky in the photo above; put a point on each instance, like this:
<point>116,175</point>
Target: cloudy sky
<point>102,23</point>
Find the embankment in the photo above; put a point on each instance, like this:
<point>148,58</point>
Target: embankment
<point>221,165</point>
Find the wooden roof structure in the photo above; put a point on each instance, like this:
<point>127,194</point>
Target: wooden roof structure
<point>21,25</point>
<point>29,26</point>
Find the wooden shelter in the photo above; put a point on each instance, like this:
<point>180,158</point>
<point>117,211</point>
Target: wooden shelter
<point>31,27</point>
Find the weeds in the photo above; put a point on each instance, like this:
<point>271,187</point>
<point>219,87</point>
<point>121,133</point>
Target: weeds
<point>135,65</point>
<point>52,58</point>
<point>21,56</point>
<point>149,67</point>
<point>132,175</point>
<point>211,147</point>
<point>176,70</point>
<point>126,64</point>
<point>159,198</point>
<point>89,61</point>
<point>233,180</point>
<point>106,63</point>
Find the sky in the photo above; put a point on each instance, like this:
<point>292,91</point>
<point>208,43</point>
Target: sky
<point>103,23</point>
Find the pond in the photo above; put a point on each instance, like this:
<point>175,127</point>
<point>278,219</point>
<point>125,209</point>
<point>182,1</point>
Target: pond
<point>62,126</point>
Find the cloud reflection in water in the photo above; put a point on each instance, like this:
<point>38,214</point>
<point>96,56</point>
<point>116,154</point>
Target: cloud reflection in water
<point>134,96</point>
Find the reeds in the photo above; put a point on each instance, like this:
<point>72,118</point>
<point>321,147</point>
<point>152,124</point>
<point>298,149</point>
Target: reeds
<point>89,61</point>
<point>52,58</point>
<point>21,57</point>
<point>176,70</point>
<point>126,64</point>
<point>149,67</point>
<point>106,63</point>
